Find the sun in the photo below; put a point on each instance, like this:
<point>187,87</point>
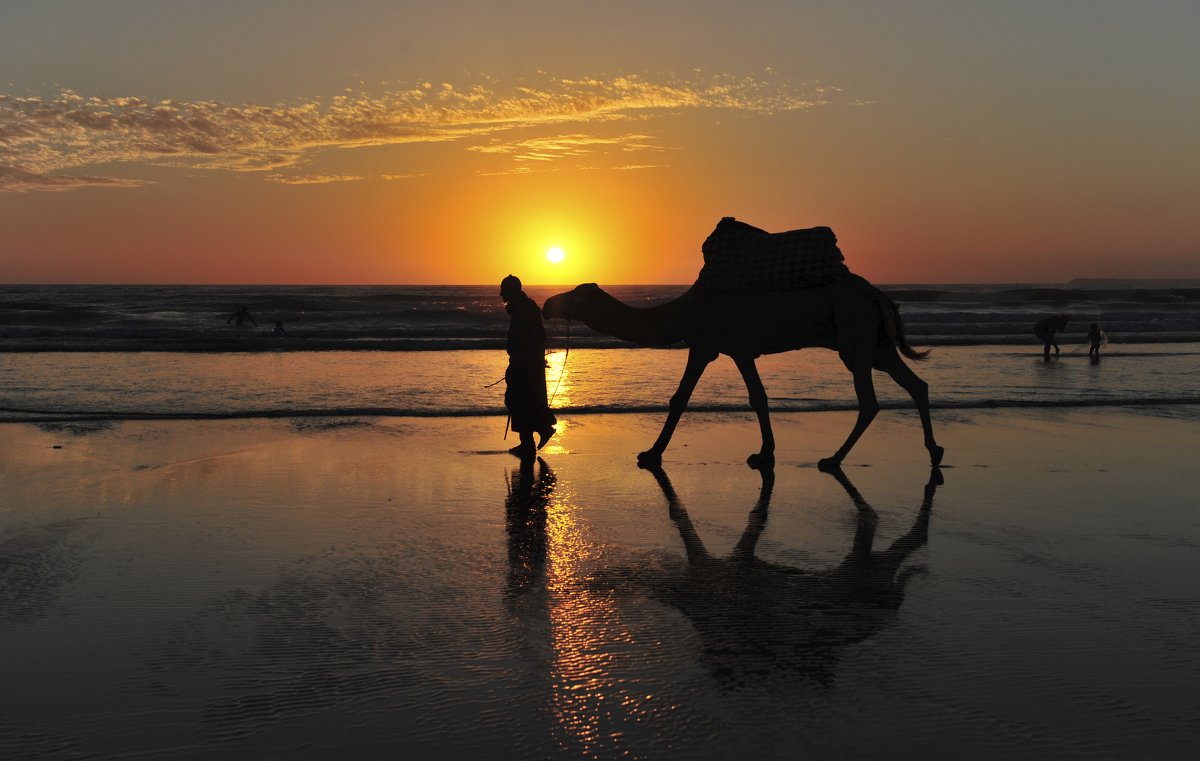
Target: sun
<point>556,254</point>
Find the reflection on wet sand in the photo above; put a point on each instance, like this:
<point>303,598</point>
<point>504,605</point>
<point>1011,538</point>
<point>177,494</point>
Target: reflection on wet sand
<point>756,618</point>
<point>569,628</point>
<point>753,618</point>
<point>525,511</point>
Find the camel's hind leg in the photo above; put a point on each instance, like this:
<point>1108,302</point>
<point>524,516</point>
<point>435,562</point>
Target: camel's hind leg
<point>868,407</point>
<point>887,360</point>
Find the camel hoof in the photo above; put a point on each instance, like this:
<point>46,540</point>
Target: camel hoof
<point>935,456</point>
<point>829,464</point>
<point>761,461</point>
<point>649,460</point>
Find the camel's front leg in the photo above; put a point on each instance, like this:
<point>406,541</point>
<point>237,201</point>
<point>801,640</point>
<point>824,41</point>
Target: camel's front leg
<point>758,402</point>
<point>697,361</point>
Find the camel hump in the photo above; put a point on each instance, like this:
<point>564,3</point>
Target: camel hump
<point>741,258</point>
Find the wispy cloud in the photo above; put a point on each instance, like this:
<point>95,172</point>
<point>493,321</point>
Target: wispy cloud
<point>19,179</point>
<point>44,142</point>
<point>391,177</point>
<point>560,146</point>
<point>311,179</point>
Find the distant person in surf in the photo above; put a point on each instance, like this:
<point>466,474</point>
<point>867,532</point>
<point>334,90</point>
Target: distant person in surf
<point>241,315</point>
<point>1047,329</point>
<point>1095,338</point>
<point>525,377</point>
<point>279,328</point>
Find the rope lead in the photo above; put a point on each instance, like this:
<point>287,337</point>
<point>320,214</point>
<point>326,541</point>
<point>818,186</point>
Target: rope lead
<point>562,370</point>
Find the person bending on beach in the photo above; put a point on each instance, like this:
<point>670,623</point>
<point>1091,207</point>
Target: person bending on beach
<point>525,392</point>
<point>241,315</point>
<point>1047,329</point>
<point>1095,338</point>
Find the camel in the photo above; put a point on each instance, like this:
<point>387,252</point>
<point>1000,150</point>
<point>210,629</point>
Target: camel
<point>849,316</point>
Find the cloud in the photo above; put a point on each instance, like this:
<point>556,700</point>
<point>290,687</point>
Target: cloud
<point>391,177</point>
<point>518,170</point>
<point>550,148</point>
<point>15,179</point>
<point>311,179</point>
<point>43,140</point>
<point>325,179</point>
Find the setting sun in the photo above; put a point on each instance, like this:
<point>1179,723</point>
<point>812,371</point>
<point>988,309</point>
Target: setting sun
<point>556,255</point>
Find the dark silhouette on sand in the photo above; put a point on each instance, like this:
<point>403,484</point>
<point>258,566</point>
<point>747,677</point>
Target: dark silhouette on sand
<point>241,315</point>
<point>846,314</point>
<point>1047,329</point>
<point>525,377</point>
<point>525,520</point>
<point>756,618</point>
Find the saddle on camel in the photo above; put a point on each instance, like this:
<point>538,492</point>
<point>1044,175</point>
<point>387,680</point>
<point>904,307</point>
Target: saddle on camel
<point>741,258</point>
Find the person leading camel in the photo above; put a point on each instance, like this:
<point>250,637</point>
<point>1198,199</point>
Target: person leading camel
<point>525,377</point>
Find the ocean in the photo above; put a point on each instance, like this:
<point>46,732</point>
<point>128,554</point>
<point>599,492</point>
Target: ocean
<point>91,354</point>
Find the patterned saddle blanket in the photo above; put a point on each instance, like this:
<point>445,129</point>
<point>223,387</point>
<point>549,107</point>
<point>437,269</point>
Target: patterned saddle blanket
<point>740,258</point>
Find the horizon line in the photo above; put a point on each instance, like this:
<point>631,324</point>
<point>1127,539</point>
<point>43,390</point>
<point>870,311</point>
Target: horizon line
<point>1044,283</point>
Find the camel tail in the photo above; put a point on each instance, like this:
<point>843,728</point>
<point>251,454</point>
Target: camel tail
<point>894,326</point>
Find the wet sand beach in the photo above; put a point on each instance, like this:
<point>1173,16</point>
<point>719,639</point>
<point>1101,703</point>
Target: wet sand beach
<point>401,587</point>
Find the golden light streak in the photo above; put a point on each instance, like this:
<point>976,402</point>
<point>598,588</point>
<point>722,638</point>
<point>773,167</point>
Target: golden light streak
<point>584,695</point>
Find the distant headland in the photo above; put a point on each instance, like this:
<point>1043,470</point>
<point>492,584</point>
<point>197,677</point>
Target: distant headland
<point>1132,282</point>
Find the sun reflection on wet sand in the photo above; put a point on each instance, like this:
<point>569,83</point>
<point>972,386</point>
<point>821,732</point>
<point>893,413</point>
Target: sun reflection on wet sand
<point>558,444</point>
<point>587,701</point>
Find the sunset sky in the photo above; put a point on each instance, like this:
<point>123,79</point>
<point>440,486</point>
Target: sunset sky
<point>385,142</point>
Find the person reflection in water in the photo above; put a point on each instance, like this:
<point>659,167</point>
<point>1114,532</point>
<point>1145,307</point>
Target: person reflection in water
<point>525,521</point>
<point>756,618</point>
<point>525,378</point>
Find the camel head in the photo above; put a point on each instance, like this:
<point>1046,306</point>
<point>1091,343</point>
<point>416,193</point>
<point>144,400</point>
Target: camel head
<point>575,304</point>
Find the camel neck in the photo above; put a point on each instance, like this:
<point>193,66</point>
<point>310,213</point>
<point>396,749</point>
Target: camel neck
<point>660,325</point>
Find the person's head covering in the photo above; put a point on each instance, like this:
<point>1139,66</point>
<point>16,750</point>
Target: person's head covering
<point>510,286</point>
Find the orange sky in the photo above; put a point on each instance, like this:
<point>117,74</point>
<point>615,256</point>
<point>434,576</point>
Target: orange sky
<point>362,144</point>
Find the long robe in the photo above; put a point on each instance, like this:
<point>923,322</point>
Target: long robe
<point>525,392</point>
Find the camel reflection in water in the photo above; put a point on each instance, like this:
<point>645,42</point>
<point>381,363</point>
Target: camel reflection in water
<point>757,618</point>
<point>754,618</point>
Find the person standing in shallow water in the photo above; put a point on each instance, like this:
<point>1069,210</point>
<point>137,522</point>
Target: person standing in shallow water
<point>525,377</point>
<point>1095,338</point>
<point>1047,329</point>
<point>241,315</point>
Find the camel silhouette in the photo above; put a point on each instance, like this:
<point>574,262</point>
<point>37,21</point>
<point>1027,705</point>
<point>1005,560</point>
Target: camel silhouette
<point>849,316</point>
<point>756,618</point>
